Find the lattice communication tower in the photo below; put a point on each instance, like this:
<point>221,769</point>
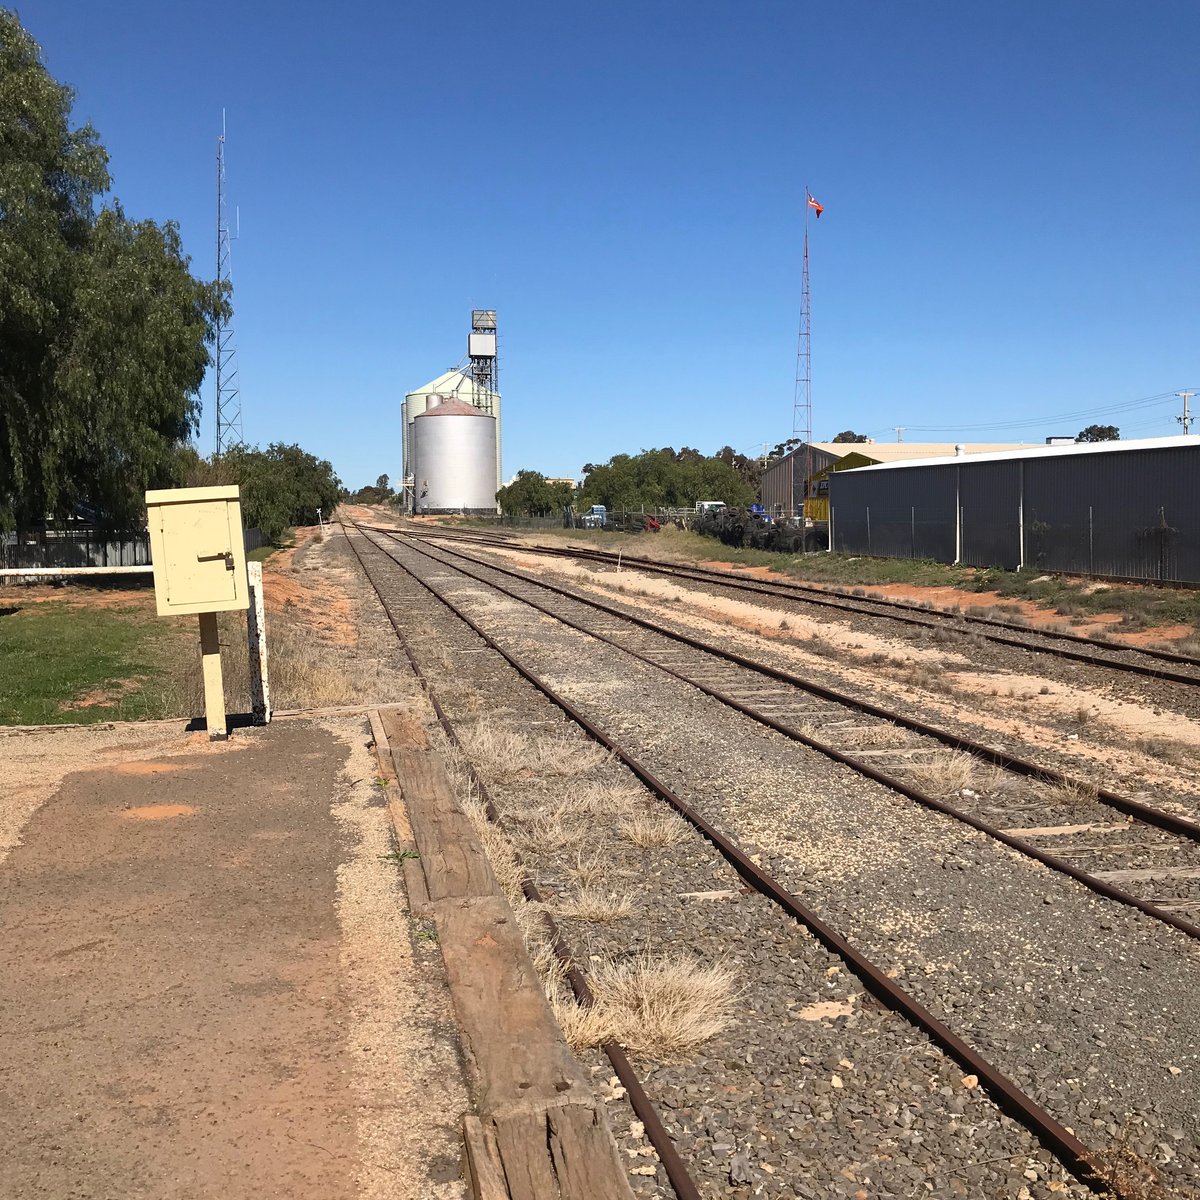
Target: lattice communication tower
<point>802,397</point>
<point>229,396</point>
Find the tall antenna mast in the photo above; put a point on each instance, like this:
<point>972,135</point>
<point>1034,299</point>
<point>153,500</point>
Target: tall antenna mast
<point>802,397</point>
<point>228,400</point>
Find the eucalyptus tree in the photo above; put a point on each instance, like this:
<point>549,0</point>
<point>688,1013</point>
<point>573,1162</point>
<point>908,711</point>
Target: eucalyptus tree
<point>104,331</point>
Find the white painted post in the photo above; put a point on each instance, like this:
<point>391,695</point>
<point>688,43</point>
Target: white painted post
<point>1021,515</point>
<point>256,633</point>
<point>958,538</point>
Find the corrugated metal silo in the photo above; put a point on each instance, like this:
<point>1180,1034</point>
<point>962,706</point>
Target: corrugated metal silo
<point>457,385</point>
<point>454,459</point>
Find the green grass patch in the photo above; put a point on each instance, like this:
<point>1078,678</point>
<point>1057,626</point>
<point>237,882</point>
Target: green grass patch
<point>86,656</point>
<point>262,553</point>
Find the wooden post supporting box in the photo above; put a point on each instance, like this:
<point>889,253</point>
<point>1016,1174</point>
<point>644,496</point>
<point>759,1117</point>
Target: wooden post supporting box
<point>199,557</point>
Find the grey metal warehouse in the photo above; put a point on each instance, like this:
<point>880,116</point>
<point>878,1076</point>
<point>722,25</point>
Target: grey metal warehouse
<point>1122,510</point>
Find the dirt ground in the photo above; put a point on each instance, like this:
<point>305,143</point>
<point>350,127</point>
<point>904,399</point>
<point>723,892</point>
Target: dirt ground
<point>948,599</point>
<point>208,984</point>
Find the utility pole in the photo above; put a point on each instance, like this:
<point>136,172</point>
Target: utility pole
<point>899,432</point>
<point>1185,420</point>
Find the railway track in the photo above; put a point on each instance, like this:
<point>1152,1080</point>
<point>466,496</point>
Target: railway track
<point>1005,1093</point>
<point>1163,844</point>
<point>681,1181</point>
<point>1094,652</point>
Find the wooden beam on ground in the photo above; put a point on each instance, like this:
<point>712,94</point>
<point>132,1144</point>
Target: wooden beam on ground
<point>538,1132</point>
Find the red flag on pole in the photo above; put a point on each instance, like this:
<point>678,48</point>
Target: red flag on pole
<point>817,208</point>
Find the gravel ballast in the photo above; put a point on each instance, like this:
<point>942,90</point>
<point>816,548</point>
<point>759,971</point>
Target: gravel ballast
<point>1077,999</point>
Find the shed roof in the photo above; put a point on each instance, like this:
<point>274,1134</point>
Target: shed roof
<point>887,452</point>
<point>1013,453</point>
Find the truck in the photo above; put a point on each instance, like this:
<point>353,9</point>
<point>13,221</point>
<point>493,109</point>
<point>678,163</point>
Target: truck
<point>709,506</point>
<point>596,517</point>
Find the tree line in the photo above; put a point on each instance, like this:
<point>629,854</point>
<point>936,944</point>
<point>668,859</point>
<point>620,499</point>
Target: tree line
<point>105,335</point>
<point>653,479</point>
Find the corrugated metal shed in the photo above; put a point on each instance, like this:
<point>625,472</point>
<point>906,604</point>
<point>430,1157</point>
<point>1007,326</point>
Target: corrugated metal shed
<point>1128,510</point>
<point>782,486</point>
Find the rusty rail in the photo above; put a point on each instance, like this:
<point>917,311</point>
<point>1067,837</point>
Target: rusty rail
<point>681,1181</point>
<point>1169,822</point>
<point>1004,1092</point>
<point>838,599</point>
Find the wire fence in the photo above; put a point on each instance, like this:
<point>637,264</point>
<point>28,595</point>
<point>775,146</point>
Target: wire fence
<point>47,548</point>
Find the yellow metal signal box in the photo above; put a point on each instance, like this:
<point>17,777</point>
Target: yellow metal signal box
<point>198,550</point>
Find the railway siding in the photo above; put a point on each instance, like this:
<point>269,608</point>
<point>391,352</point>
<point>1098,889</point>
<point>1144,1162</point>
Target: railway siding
<point>1026,945</point>
<point>1172,680</point>
<point>717,671</point>
<point>816,1090</point>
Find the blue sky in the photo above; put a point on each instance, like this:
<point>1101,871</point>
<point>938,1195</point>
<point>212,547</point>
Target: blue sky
<point>1010,191</point>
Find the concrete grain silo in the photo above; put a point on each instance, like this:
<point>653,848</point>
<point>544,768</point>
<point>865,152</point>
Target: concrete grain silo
<point>454,470</point>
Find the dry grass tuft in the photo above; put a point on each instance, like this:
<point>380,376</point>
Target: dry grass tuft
<point>583,1027</point>
<point>545,835</point>
<point>505,752</point>
<point>589,869</point>
<point>1175,753</point>
<point>650,830</point>
<point>600,907</point>
<point>947,774</point>
<point>655,1006</point>
<point>881,736</point>
<point>1070,795</point>
<point>929,678</point>
<point>595,798</point>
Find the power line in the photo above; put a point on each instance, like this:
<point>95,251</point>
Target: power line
<point>1027,422</point>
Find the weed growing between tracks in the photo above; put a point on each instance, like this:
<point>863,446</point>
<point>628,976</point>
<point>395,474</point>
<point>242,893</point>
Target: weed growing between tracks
<point>957,772</point>
<point>657,1005</point>
<point>507,754</point>
<point>654,1006</point>
<point>651,830</point>
<point>592,904</point>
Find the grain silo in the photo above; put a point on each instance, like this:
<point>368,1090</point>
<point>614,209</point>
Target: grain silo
<point>456,385</point>
<point>454,459</point>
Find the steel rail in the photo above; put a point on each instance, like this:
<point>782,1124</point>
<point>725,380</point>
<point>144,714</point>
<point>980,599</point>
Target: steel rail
<point>1148,814</point>
<point>842,601</point>
<point>1100,886</point>
<point>1006,1094</point>
<point>797,590</point>
<point>684,1186</point>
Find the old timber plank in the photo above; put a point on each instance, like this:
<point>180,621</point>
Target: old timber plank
<point>1141,874</point>
<point>539,1132</point>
